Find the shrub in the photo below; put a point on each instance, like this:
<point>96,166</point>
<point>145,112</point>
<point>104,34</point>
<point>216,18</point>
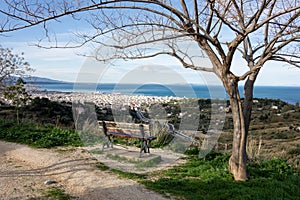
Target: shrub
<point>274,168</point>
<point>43,136</point>
<point>294,151</point>
<point>164,137</point>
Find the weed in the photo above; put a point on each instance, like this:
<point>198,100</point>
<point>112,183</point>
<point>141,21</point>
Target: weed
<point>120,158</point>
<point>254,147</point>
<point>95,151</point>
<point>55,193</point>
<point>102,167</point>
<point>149,163</point>
<point>294,151</point>
<point>129,175</point>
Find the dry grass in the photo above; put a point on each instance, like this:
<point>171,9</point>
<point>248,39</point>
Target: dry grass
<point>254,147</point>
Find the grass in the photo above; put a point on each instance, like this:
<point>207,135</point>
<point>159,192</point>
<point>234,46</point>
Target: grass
<point>35,135</point>
<point>148,163</point>
<point>209,178</point>
<point>55,193</point>
<point>137,164</point>
<point>122,174</point>
<point>102,167</point>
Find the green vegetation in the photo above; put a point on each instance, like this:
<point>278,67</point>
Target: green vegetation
<point>41,111</point>
<point>209,178</point>
<point>53,193</point>
<point>56,193</point>
<point>138,164</point>
<point>18,95</point>
<point>102,167</point>
<point>35,135</point>
<point>149,163</point>
<point>129,175</point>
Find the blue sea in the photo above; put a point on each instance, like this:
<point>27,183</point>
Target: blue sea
<point>289,94</point>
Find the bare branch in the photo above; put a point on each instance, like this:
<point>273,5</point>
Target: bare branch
<point>196,15</point>
<point>286,60</point>
<point>251,71</point>
<point>260,30</point>
<point>185,9</point>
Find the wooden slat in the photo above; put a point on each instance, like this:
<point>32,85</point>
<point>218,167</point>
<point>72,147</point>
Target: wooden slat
<point>121,135</point>
<point>123,127</point>
<point>124,124</point>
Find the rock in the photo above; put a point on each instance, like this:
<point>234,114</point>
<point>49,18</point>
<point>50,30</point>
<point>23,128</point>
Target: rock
<point>49,182</point>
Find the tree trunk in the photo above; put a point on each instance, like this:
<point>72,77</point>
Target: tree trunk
<point>247,105</point>
<point>18,120</point>
<point>238,159</point>
<point>248,100</point>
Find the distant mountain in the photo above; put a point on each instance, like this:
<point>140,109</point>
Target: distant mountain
<point>35,79</point>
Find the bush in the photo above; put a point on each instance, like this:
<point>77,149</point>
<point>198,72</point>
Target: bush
<point>58,137</point>
<point>162,132</point>
<point>35,135</point>
<point>275,168</point>
<point>294,151</point>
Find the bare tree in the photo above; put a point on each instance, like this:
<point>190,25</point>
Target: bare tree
<point>256,30</point>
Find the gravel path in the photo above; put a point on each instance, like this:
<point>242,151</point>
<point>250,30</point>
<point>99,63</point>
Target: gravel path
<point>24,170</point>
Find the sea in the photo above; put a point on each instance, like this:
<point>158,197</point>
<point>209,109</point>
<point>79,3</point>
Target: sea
<point>289,94</point>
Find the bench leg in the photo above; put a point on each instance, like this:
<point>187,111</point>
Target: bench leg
<point>145,146</point>
<point>108,143</point>
<point>149,145</point>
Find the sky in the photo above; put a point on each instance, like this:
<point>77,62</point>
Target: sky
<point>69,65</point>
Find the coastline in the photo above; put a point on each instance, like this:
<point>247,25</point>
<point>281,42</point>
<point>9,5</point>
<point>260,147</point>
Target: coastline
<point>289,94</point>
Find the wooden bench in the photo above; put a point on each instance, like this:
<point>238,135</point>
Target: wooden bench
<point>127,130</point>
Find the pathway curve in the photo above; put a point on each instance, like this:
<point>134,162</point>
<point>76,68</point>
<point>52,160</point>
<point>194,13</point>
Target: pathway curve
<point>23,171</point>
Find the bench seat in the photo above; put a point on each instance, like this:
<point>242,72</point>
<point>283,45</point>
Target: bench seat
<point>126,135</point>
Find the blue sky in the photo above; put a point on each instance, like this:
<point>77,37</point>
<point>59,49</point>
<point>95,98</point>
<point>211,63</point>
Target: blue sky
<point>66,64</point>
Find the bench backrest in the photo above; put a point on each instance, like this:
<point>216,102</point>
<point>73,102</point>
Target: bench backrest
<point>128,128</point>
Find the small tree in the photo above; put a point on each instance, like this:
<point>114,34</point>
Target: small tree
<point>11,66</point>
<point>17,95</point>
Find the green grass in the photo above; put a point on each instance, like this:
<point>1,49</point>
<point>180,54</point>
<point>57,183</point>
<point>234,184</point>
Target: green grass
<point>120,158</point>
<point>210,178</point>
<point>35,135</point>
<point>102,167</point>
<point>56,194</point>
<point>138,164</point>
<point>53,193</point>
<point>95,151</point>
<point>129,175</point>
<point>148,163</point>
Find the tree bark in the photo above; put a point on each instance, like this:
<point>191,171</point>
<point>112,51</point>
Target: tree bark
<point>248,102</point>
<point>17,113</point>
<point>238,159</point>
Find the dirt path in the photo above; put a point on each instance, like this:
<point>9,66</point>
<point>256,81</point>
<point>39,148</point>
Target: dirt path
<point>24,170</point>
